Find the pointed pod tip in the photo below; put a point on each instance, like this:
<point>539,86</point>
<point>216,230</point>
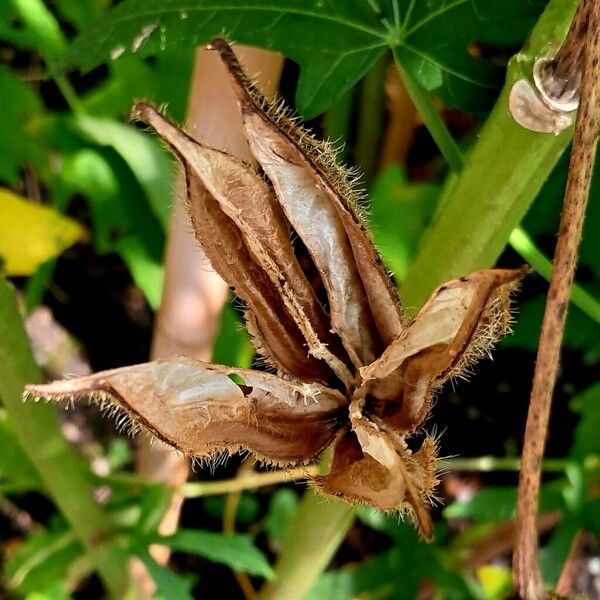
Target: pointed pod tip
<point>143,111</point>
<point>219,44</point>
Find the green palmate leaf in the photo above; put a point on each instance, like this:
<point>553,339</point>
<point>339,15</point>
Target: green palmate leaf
<point>432,39</point>
<point>31,234</point>
<point>236,550</point>
<point>18,107</point>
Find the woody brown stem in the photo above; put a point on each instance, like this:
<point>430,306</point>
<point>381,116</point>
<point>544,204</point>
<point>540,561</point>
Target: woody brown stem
<point>526,565</point>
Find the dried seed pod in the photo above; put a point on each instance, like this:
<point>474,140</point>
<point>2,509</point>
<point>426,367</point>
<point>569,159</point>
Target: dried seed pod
<point>251,206</point>
<point>458,325</point>
<point>229,255</point>
<point>202,409</point>
<point>388,370</point>
<point>532,113</point>
<point>317,199</point>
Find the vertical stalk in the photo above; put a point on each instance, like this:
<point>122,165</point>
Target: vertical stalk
<point>65,475</point>
<point>370,119</point>
<point>526,565</point>
<point>193,294</point>
<point>318,529</point>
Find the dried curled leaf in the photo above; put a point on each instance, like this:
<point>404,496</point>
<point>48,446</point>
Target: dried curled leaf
<point>356,341</point>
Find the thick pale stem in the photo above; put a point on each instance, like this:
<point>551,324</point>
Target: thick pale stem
<point>526,565</point>
<point>194,294</point>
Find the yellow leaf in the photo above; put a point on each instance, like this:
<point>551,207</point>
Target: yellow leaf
<point>31,234</point>
<point>496,582</point>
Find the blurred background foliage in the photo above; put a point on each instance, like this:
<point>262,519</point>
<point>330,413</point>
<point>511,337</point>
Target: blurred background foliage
<point>84,206</point>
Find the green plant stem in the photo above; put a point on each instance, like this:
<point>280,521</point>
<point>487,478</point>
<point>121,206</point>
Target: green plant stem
<point>432,118</point>
<point>197,489</point>
<point>65,475</point>
<point>525,246</point>
<point>370,119</point>
<point>310,543</point>
<point>502,176</point>
<point>486,464</point>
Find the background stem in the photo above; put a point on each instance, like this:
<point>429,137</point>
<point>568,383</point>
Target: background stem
<point>526,565</point>
<point>316,532</point>
<point>65,475</point>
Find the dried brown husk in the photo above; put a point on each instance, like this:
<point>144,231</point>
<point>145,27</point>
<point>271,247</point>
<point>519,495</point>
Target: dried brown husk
<point>229,255</point>
<point>318,200</point>
<point>202,409</point>
<point>388,370</point>
<point>457,326</point>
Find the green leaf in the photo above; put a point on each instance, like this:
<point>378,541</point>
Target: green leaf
<point>282,508</point>
<point>164,81</point>
<point>80,13</point>
<point>155,501</point>
<point>147,272</point>
<point>586,439</point>
<point>54,591</point>
<point>235,550</point>
<point>554,554</point>
<point>247,511</point>
<point>497,504</point>
<point>169,585</point>
<point>41,560</point>
<point>88,172</point>
<point>400,211</point>
<point>16,471</point>
<point>148,161</point>
<point>232,346</point>
<point>18,107</point>
<point>31,234</point>
<point>28,24</point>
<point>580,332</point>
<point>431,37</point>
<point>121,221</point>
